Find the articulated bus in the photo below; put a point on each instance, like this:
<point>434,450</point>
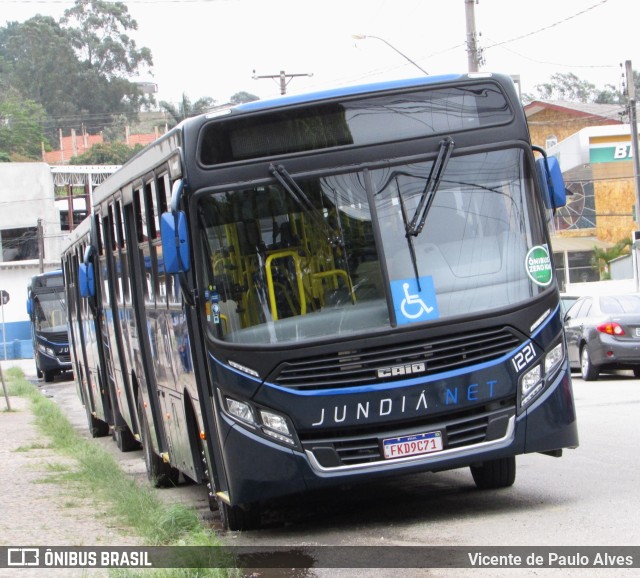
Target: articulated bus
<point>47,313</point>
<point>333,288</point>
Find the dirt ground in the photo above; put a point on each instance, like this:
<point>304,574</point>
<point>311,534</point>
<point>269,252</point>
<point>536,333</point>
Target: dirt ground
<point>35,510</point>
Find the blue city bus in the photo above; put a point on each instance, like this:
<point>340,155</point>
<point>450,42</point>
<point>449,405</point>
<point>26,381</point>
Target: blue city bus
<point>47,313</point>
<point>337,287</point>
<point>91,357</point>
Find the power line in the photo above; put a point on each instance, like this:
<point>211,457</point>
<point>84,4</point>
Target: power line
<point>558,23</point>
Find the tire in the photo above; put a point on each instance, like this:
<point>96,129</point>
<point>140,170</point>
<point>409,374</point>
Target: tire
<point>49,375</point>
<point>237,518</point>
<point>160,474</point>
<point>495,474</point>
<point>97,427</point>
<point>636,372</point>
<point>589,371</point>
<point>124,439</point>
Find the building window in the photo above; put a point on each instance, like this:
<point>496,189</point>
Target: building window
<point>581,268</point>
<point>19,244</point>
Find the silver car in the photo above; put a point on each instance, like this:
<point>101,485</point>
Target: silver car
<point>603,334</point>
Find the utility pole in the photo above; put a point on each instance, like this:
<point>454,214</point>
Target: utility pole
<point>40,233</point>
<point>474,54</point>
<point>284,78</point>
<point>633,121</point>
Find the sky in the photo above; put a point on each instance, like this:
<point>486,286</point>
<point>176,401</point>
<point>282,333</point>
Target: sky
<point>214,48</point>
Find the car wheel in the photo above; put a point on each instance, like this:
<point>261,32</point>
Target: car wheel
<point>590,372</point>
<point>636,372</point>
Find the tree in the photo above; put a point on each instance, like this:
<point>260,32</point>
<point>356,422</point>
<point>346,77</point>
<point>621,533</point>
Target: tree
<point>185,108</point>
<point>77,69</point>
<point>21,133</point>
<point>98,33</point>
<point>242,96</point>
<point>602,257</point>
<point>115,153</point>
<point>567,86</point>
<point>26,50</point>
<point>97,30</point>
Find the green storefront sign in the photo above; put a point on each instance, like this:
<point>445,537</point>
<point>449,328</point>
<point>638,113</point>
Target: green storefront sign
<point>610,154</point>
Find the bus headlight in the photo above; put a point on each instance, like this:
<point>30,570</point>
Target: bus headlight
<point>264,421</point>
<point>540,376</point>
<point>240,410</point>
<point>553,358</point>
<point>530,384</point>
<point>274,422</point>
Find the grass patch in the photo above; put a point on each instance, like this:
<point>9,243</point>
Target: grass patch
<point>98,474</point>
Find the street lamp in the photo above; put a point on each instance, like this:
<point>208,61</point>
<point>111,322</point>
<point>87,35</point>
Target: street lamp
<point>364,36</point>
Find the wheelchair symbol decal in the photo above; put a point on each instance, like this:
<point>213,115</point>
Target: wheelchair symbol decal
<point>412,304</point>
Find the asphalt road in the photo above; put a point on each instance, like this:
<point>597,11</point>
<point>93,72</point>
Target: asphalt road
<point>589,497</point>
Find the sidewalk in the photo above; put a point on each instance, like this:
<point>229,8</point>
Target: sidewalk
<point>37,506</point>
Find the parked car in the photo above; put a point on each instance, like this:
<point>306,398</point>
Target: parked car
<point>603,334</point>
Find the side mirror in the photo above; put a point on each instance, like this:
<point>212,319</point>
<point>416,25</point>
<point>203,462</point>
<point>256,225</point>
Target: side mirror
<point>86,280</point>
<point>30,306</point>
<point>175,246</point>
<point>552,183</point>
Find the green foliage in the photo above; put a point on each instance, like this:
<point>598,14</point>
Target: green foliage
<point>242,96</point>
<point>97,30</point>
<point>567,86</point>
<point>114,153</point>
<point>21,122</point>
<point>602,257</point>
<point>186,108</point>
<point>97,474</point>
<point>76,69</point>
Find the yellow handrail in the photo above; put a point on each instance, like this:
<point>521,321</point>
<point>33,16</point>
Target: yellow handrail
<point>272,294</point>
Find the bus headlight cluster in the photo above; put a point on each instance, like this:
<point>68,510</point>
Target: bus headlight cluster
<point>46,350</point>
<point>537,378</point>
<point>267,422</point>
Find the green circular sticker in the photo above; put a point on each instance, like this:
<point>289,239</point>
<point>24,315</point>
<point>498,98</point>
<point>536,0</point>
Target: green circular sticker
<point>538,263</point>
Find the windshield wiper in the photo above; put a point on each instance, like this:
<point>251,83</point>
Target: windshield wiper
<point>414,228</point>
<point>288,183</point>
<point>412,251</point>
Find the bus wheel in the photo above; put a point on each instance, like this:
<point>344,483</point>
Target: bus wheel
<point>97,427</point>
<point>124,439</point>
<point>237,518</point>
<point>234,518</point>
<point>160,474</point>
<point>495,473</point>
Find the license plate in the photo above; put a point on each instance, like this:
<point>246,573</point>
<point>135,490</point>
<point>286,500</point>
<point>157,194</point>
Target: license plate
<point>414,445</point>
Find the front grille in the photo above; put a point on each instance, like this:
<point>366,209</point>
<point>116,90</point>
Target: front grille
<point>466,429</point>
<point>360,367</point>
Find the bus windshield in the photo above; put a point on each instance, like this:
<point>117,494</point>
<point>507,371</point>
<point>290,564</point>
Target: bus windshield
<point>50,312</point>
<point>301,259</point>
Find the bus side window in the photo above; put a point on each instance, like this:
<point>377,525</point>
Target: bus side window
<point>144,246</point>
<point>166,287</point>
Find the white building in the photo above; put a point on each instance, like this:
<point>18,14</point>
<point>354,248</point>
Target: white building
<point>33,229</point>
